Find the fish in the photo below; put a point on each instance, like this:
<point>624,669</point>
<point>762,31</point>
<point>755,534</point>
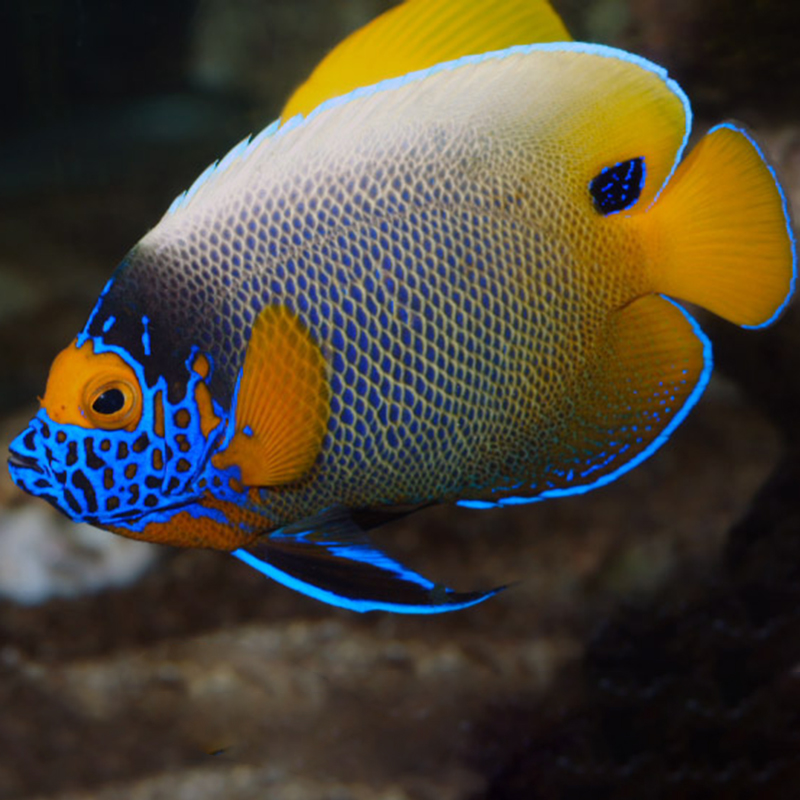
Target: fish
<point>455,270</point>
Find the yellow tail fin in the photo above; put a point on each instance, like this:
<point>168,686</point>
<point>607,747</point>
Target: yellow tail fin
<point>721,233</point>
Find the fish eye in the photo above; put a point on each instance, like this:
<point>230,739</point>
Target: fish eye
<point>112,404</point>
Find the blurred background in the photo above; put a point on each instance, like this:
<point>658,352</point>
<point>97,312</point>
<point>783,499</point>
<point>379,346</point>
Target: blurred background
<point>650,646</point>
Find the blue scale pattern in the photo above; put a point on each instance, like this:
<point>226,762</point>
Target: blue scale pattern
<point>459,309</point>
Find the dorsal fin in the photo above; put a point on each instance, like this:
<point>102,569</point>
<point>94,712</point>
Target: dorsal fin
<point>282,403</point>
<point>571,92</point>
<point>413,36</point>
<point>418,34</point>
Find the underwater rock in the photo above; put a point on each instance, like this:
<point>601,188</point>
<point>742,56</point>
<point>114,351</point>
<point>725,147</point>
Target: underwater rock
<point>691,698</point>
<point>43,556</point>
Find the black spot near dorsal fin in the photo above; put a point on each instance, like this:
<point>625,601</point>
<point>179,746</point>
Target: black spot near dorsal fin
<point>618,188</point>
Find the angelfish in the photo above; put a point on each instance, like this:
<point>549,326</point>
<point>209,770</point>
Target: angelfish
<point>452,271</point>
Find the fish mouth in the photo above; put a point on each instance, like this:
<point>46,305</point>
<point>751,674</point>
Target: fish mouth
<point>19,461</point>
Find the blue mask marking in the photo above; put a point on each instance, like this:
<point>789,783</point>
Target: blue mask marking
<point>146,335</point>
<point>119,477</point>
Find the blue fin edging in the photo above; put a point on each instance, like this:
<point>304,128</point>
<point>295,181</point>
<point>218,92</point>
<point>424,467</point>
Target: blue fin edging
<point>786,215</point>
<point>279,127</point>
<point>362,605</point>
<point>689,403</point>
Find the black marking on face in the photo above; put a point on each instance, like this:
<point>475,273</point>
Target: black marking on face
<point>72,454</point>
<point>80,481</point>
<point>141,444</point>
<point>93,461</point>
<point>72,502</point>
<point>618,188</point>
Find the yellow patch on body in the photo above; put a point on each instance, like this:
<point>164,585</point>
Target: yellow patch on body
<point>283,403</point>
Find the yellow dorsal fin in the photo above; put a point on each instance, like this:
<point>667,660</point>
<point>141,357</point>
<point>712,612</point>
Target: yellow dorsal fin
<point>420,33</point>
<point>283,403</point>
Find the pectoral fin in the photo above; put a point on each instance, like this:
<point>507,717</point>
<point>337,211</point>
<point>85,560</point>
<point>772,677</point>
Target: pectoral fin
<point>331,559</point>
<point>281,405</point>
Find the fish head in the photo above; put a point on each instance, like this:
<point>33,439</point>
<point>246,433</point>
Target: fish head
<point>112,445</point>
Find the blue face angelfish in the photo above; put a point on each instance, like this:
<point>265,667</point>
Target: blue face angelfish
<point>452,272</point>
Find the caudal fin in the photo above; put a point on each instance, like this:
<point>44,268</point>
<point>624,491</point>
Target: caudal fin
<point>722,236</point>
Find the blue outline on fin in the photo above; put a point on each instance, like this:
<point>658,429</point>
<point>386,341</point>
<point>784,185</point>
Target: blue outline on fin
<point>787,217</point>
<point>661,439</point>
<point>360,606</point>
<point>280,128</point>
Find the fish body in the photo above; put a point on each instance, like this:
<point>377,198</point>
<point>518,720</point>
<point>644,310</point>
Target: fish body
<point>457,284</point>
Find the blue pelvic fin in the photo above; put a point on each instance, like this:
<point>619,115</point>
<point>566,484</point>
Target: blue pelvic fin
<point>331,559</point>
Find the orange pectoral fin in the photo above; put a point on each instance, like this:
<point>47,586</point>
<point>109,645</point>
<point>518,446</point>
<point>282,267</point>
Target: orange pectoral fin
<point>283,403</point>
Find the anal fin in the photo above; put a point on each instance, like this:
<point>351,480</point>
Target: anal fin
<point>331,559</point>
<point>649,369</point>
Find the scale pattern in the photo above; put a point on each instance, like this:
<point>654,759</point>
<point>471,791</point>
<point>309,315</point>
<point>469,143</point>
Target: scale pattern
<point>455,305</point>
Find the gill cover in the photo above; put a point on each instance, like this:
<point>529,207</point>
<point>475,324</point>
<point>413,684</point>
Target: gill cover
<point>111,449</point>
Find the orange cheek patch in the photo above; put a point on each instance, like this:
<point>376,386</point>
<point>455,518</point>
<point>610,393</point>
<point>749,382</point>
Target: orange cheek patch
<point>205,408</point>
<point>73,372</point>
<point>283,403</point>
<point>185,530</point>
<point>158,425</point>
